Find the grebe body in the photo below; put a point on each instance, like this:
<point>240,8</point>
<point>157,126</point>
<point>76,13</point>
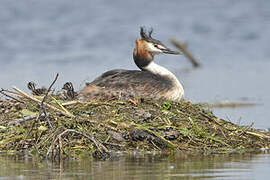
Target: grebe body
<point>152,81</point>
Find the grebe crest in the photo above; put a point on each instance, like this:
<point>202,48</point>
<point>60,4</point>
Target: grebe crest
<point>153,81</point>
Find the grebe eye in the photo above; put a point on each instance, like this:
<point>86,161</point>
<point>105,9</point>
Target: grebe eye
<point>156,45</point>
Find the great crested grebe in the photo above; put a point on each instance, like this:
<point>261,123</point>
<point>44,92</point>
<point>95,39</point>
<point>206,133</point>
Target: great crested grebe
<point>153,81</point>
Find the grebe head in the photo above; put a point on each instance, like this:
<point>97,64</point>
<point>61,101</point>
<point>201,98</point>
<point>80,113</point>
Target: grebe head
<point>154,46</point>
<point>147,47</point>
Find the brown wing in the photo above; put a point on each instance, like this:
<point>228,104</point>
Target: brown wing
<point>124,84</point>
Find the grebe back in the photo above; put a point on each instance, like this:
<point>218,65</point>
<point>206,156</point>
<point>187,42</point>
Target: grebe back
<point>152,81</point>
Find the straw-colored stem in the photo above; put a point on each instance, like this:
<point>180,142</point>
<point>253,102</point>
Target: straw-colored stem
<point>39,101</point>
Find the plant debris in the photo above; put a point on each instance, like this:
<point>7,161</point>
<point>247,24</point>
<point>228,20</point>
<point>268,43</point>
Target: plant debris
<point>73,128</point>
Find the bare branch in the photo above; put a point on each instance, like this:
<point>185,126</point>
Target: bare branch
<point>38,101</point>
<point>43,100</point>
<point>10,96</point>
<point>22,120</point>
<point>183,48</point>
<point>99,146</point>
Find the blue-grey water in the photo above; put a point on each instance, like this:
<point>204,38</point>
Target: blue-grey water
<point>81,39</point>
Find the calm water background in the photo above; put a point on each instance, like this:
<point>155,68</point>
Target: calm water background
<point>81,39</point>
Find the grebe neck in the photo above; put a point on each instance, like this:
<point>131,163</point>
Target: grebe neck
<point>157,69</point>
<point>163,72</point>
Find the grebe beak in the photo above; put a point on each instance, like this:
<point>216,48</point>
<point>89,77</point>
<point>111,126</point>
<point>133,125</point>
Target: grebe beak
<point>168,51</point>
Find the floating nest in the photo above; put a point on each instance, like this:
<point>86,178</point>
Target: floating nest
<point>51,127</point>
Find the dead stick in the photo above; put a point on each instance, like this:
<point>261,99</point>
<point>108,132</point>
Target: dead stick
<point>32,126</point>
<point>67,131</point>
<point>60,148</point>
<point>43,100</point>
<point>10,96</point>
<point>231,104</point>
<point>113,144</point>
<point>39,101</point>
<point>11,92</point>
<point>22,120</point>
<point>71,103</point>
<point>182,47</point>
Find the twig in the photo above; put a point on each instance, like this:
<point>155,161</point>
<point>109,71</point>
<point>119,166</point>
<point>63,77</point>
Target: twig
<point>32,125</point>
<point>12,97</point>
<point>231,104</point>
<point>41,107</point>
<point>39,101</point>
<point>49,89</point>
<point>260,135</point>
<point>59,104</point>
<point>183,48</point>
<point>60,148</point>
<point>113,144</point>
<point>40,155</point>
<point>71,103</point>
<point>99,146</point>
<point>246,129</point>
<point>43,100</point>
<point>167,142</point>
<point>211,119</point>
<point>11,92</point>
<point>18,121</point>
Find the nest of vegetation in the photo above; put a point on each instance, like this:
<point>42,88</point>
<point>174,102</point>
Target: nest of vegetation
<point>51,127</point>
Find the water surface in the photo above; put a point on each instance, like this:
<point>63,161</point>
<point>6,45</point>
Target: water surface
<point>184,166</point>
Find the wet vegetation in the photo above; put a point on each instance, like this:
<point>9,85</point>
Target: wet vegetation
<point>49,126</point>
